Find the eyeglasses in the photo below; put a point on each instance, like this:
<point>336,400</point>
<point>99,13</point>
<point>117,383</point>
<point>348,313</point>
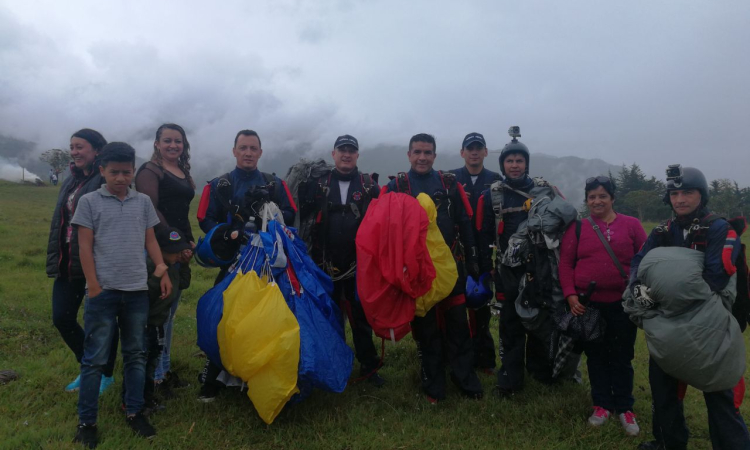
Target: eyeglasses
<point>601,179</point>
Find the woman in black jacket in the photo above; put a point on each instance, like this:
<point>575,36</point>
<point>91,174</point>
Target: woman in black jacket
<point>63,261</point>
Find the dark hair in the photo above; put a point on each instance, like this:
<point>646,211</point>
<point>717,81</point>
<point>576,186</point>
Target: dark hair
<point>247,133</point>
<point>184,161</point>
<point>604,181</point>
<point>423,137</point>
<point>93,137</point>
<point>117,152</point>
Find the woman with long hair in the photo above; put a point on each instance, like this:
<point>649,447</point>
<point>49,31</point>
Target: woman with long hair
<point>63,261</point>
<point>166,180</point>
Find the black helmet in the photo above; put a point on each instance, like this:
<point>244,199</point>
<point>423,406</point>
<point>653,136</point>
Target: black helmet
<point>514,146</point>
<point>680,178</point>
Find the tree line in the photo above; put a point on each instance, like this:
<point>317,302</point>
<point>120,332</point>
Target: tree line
<point>643,197</point>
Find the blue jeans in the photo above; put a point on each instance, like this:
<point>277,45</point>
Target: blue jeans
<point>101,317</point>
<point>165,361</point>
<point>67,295</point>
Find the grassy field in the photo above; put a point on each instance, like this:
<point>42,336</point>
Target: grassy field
<point>35,412</point>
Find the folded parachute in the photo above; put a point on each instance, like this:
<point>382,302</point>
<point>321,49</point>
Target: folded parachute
<point>393,263</point>
<point>691,333</point>
<point>446,272</point>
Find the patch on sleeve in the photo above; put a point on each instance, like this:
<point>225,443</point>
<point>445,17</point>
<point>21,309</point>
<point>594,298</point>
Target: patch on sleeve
<point>726,253</point>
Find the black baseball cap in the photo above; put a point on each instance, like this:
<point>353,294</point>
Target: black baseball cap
<point>171,240</point>
<point>346,139</point>
<point>472,138</point>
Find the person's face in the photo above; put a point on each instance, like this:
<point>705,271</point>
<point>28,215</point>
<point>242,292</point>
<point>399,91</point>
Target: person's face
<point>514,165</point>
<point>345,158</point>
<point>685,201</point>
<point>599,202</point>
<point>248,152</point>
<point>170,145</point>
<point>474,154</point>
<point>82,152</point>
<point>421,156</point>
<point>118,176</point>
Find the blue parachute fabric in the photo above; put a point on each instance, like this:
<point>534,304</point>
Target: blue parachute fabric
<point>208,315</point>
<point>325,358</point>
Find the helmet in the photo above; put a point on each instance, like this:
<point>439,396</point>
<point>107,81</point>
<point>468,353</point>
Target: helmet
<point>212,251</point>
<point>514,146</point>
<point>478,293</point>
<point>686,178</point>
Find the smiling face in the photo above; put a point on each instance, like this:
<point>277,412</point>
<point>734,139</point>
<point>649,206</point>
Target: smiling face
<point>118,176</point>
<point>474,155</point>
<point>345,158</point>
<point>82,152</point>
<point>599,202</point>
<point>514,165</point>
<point>247,151</point>
<point>685,201</point>
<point>421,156</point>
<point>170,145</point>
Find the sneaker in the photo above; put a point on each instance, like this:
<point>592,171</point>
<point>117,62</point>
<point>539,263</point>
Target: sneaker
<point>152,407</point>
<point>140,426</point>
<point>75,385</point>
<point>173,380</point>
<point>599,416</point>
<point>376,380</point>
<point>208,393</point>
<point>105,383</point>
<point>86,435</point>
<point>627,419</point>
<point>651,445</point>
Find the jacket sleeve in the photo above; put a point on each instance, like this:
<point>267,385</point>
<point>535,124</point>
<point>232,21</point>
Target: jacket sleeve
<point>568,258</point>
<point>722,249</point>
<point>210,210</point>
<point>651,243</point>
<point>285,201</point>
<point>485,224</point>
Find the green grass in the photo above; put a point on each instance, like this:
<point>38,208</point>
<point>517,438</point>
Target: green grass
<point>35,412</point>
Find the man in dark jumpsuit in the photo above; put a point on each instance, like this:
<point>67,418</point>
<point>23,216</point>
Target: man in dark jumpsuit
<point>339,199</point>
<point>519,349</point>
<point>693,227</point>
<point>227,200</point>
<point>454,222</point>
<point>476,178</point>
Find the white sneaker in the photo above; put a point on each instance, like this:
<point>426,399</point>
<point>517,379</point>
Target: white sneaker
<point>627,419</point>
<point>599,416</point>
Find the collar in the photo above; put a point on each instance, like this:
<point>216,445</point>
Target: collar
<point>336,175</point>
<point>525,182</point>
<point>104,192</point>
<point>696,216</point>
<point>421,176</point>
<point>243,174</point>
<point>466,170</point>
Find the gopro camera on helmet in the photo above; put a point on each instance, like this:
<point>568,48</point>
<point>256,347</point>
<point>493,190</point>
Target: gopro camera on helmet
<point>674,174</point>
<point>514,132</point>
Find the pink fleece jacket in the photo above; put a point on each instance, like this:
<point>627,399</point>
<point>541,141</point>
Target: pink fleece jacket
<point>588,260</point>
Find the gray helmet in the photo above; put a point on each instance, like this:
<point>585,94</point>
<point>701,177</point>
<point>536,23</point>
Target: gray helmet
<point>514,146</point>
<point>680,178</point>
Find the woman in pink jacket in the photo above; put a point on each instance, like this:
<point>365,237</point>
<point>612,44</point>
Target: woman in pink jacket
<point>586,259</point>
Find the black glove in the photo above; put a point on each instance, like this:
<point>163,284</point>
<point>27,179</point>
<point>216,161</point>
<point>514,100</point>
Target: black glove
<point>642,297</point>
<point>255,198</point>
<point>472,263</point>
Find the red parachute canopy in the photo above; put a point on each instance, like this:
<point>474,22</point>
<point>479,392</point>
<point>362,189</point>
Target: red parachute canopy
<point>393,264</point>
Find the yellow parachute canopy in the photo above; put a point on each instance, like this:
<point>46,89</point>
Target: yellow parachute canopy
<point>446,272</point>
<point>259,342</point>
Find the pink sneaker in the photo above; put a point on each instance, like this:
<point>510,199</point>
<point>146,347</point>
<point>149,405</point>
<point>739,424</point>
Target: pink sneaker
<point>627,419</point>
<point>599,416</point>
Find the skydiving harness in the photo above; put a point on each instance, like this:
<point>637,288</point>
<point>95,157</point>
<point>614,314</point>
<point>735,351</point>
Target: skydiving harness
<point>697,232</point>
<point>496,194</point>
<point>224,194</point>
<point>326,207</point>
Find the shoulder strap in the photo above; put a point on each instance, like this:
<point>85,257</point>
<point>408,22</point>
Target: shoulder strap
<point>607,247</point>
<point>269,177</point>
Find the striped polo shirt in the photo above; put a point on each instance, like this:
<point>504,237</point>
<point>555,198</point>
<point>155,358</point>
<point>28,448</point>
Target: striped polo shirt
<point>119,236</point>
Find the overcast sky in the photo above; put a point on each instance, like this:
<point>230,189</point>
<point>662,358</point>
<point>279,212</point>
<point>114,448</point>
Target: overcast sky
<point>638,81</point>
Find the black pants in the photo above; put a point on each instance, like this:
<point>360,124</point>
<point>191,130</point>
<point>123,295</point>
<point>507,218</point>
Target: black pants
<point>725,425</point>
<point>610,360</point>
<point>154,348</point>
<point>67,296</point>
<point>364,349</point>
<point>455,342</point>
<point>484,345</point>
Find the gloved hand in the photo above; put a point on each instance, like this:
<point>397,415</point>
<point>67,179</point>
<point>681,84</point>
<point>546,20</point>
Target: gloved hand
<point>255,198</point>
<point>472,263</point>
<point>642,297</point>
